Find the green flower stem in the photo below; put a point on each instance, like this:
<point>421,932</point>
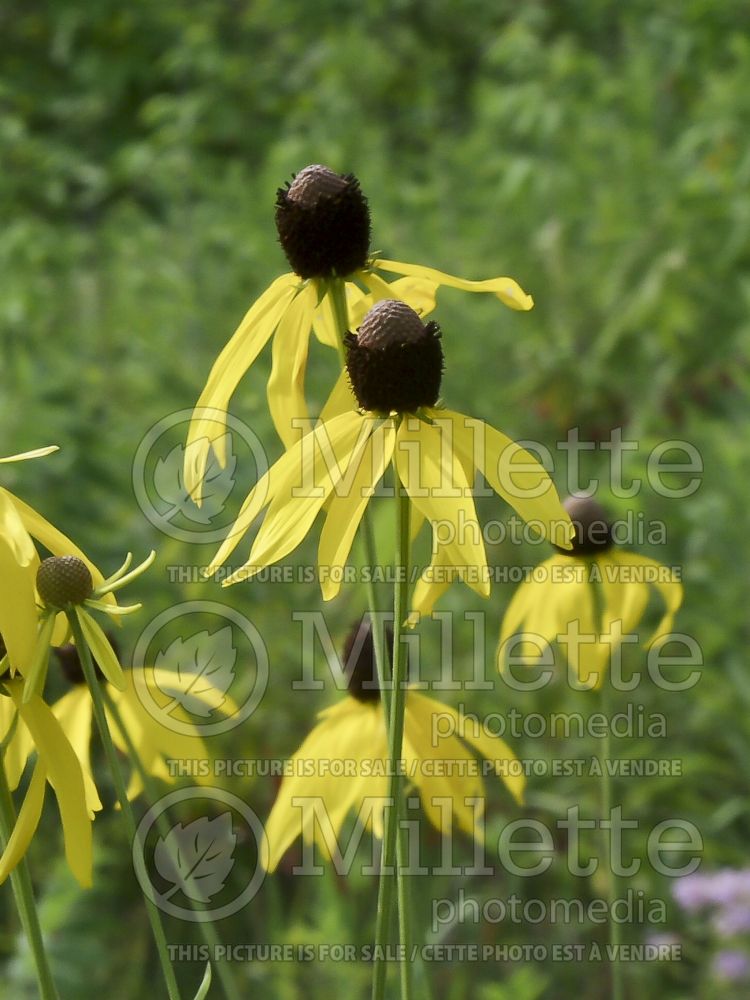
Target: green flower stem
<point>403,891</point>
<point>337,290</point>
<point>605,693</point>
<point>207,929</point>
<point>389,867</point>
<point>20,880</point>
<point>119,782</point>
<point>378,631</point>
<point>605,787</point>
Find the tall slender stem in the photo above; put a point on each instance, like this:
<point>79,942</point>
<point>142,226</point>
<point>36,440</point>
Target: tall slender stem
<point>337,291</point>
<point>20,880</point>
<point>120,788</point>
<point>605,787</point>
<point>389,867</point>
<point>393,704</point>
<point>606,809</point>
<point>207,929</point>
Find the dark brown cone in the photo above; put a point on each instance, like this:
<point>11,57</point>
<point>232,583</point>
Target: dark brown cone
<point>359,660</point>
<point>323,223</point>
<point>593,532</point>
<point>395,362</point>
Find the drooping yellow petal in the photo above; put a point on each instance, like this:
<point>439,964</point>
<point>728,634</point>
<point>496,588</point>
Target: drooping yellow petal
<point>364,741</point>
<point>36,453</point>
<point>518,610</point>
<point>101,648</point>
<point>286,385</point>
<point>161,682</point>
<point>283,476</point>
<point>154,737</point>
<point>492,748</point>
<point>444,772</point>
<point>13,531</point>
<point>26,824</point>
<point>332,739</point>
<point>208,426</point>
<point>437,577</point>
<point>437,485</point>
<point>664,579</point>
<point>322,465</point>
<point>18,611</point>
<point>512,472</point>
<point>348,505</point>
<point>74,713</point>
<point>418,292</point>
<point>434,581</point>
<point>20,744</point>
<point>507,290</point>
<point>66,778</point>
<point>625,599</point>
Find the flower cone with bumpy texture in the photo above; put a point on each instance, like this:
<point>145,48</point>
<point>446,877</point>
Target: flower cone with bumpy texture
<point>435,452</point>
<point>323,223</point>
<point>63,581</point>
<point>395,362</point>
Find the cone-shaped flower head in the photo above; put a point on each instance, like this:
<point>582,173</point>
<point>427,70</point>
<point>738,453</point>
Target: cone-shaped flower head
<point>559,602</point>
<point>313,801</point>
<point>324,228</point>
<point>395,361</point>
<point>64,581</point>
<point>323,223</point>
<point>593,531</point>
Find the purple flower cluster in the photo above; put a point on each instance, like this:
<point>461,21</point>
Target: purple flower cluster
<point>729,887</point>
<point>726,893</point>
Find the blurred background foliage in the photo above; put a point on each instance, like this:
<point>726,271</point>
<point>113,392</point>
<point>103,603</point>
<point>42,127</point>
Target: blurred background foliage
<point>594,150</point>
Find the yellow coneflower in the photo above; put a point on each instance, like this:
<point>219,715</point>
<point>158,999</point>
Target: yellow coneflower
<point>28,725</point>
<point>560,594</point>
<point>66,589</point>
<point>323,223</point>
<point>354,731</point>
<point>20,527</point>
<point>395,366</point>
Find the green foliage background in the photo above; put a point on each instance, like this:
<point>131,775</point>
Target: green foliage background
<point>596,151</point>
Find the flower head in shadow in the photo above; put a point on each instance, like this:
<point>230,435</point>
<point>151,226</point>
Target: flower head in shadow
<point>314,800</point>
<point>558,603</point>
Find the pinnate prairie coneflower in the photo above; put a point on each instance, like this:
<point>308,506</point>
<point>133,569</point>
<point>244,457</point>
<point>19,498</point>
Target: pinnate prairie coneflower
<point>394,363</point>
<point>560,594</point>
<point>354,730</point>
<point>323,222</point>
